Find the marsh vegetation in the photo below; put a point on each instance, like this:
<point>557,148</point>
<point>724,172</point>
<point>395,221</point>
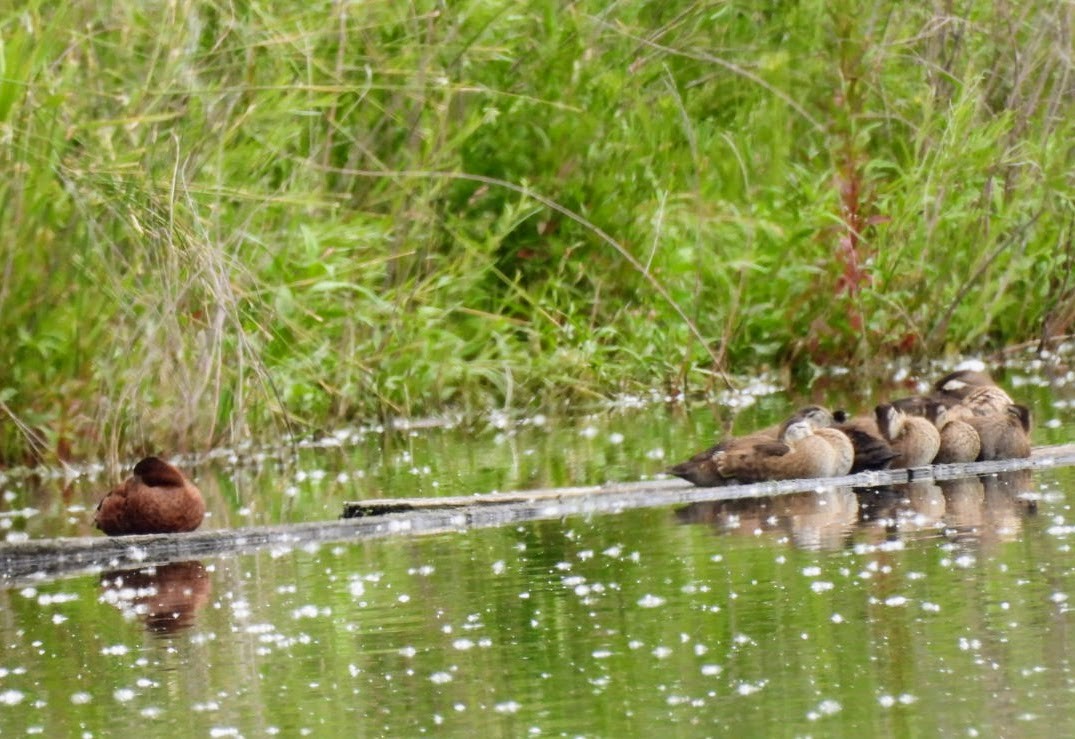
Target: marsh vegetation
<point>231,220</point>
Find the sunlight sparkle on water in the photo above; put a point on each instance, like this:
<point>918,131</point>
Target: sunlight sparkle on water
<point>697,613</point>
<point>745,688</point>
<point>123,695</point>
<point>11,697</point>
<point>825,708</point>
<point>888,701</point>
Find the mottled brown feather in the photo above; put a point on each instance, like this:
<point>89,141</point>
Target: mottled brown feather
<point>801,453</point>
<point>915,440</point>
<point>701,469</point>
<point>954,390</point>
<point>1003,435</point>
<point>156,499</point>
<point>872,452</point>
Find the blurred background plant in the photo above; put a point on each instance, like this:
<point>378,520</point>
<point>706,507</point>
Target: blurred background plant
<point>226,220</point>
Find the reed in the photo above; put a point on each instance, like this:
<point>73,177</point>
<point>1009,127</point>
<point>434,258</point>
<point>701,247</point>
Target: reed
<point>222,220</point>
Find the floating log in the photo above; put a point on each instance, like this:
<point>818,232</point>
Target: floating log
<point>42,560</point>
<point>1041,457</point>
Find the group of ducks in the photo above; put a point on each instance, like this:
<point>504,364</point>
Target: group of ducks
<point>965,418</point>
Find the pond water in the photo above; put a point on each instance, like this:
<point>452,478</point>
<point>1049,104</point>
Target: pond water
<point>938,608</point>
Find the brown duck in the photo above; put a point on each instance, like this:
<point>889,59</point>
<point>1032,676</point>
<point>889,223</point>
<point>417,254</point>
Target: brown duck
<point>959,440</point>
<point>872,452</point>
<point>801,451</point>
<point>961,383</point>
<point>701,469</point>
<point>915,440</point>
<point>983,401</point>
<point>1003,435</point>
<point>951,390</point>
<point>156,499</point>
<point>842,447</point>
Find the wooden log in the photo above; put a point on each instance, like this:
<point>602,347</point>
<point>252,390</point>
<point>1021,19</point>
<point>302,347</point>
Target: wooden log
<point>1041,457</point>
<point>41,560</point>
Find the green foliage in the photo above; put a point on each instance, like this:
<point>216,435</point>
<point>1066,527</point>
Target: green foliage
<point>222,219</point>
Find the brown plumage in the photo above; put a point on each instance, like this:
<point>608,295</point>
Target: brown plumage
<point>961,383</point>
<point>701,469</point>
<point>959,440</point>
<point>952,390</point>
<point>1003,435</point>
<point>871,451</point>
<point>800,452</point>
<point>156,499</point>
<point>915,440</point>
<point>983,401</point>
<point>843,449</point>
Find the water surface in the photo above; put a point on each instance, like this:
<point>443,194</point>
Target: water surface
<point>915,611</point>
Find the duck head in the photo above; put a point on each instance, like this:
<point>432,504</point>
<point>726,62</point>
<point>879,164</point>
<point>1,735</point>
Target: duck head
<point>815,415</point>
<point>157,473</point>
<point>890,420</point>
<point>1021,413</point>
<point>960,383</point>
<point>796,429</point>
<point>937,414</point>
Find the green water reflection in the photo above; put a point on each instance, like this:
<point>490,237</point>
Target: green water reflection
<point>915,613</point>
<point>940,608</point>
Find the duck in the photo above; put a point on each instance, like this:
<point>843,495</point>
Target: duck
<point>915,440</point>
<point>1003,435</point>
<point>156,499</point>
<point>843,449</point>
<point>701,469</point>
<point>800,452</point>
<point>983,401</point>
<point>872,452</point>
<point>952,390</point>
<point>961,383</point>
<point>959,440</point>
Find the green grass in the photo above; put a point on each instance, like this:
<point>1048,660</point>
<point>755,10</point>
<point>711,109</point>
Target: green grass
<point>225,220</point>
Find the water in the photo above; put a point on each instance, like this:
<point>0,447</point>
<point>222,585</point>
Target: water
<point>943,608</point>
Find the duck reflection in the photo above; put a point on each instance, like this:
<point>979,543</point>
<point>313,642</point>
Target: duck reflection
<point>811,520</point>
<point>925,501</point>
<point>986,509</point>
<point>991,507</point>
<point>165,597</point>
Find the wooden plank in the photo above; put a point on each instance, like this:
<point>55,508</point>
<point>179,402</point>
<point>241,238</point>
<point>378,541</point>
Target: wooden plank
<point>42,560</point>
<point>34,561</point>
<point>1040,458</point>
